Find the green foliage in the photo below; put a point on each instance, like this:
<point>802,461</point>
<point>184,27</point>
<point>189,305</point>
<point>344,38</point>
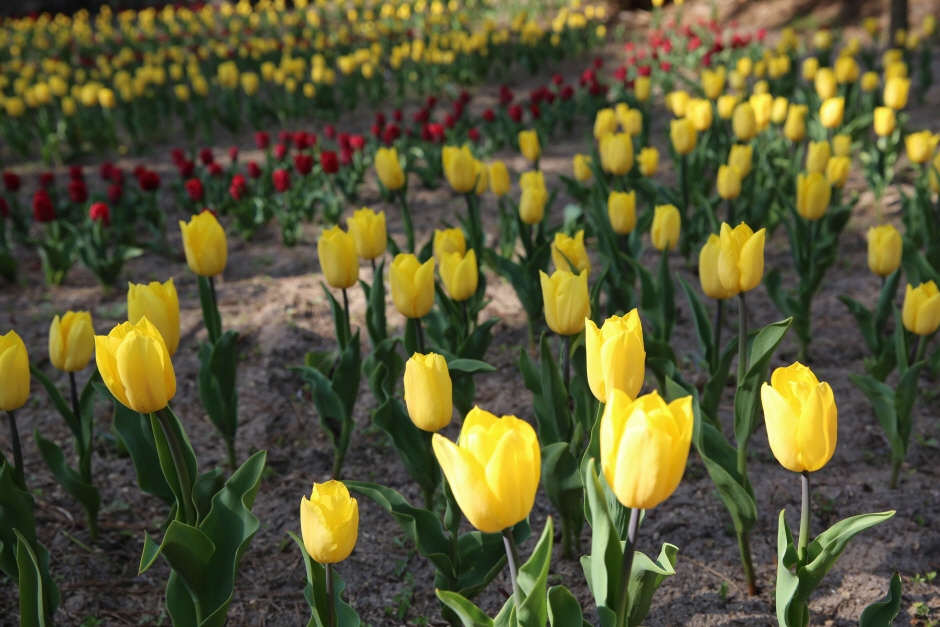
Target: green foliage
<point>882,613</point>
<point>32,608</point>
<point>218,372</point>
<point>315,593</point>
<point>871,324</point>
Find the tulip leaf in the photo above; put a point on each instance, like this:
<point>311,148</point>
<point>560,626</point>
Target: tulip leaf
<point>468,613</point>
<point>468,366</point>
<point>411,443</point>
<point>602,566</point>
<point>703,326</point>
<point>384,354</point>
<point>747,396</point>
<point>58,401</point>
<point>866,323</point>
<point>561,477</point>
<point>166,457</point>
<point>32,610</point>
<point>893,408</point>
<point>715,387</point>
<point>210,309</point>
<point>483,557</point>
<point>71,481</point>
<point>882,613</point>
<point>666,298</point>
<point>376,324</point>
<point>533,581</point>
<point>315,593</point>
<point>645,578</point>
<point>204,489</point>
<point>339,319</point>
<point>564,609</point>
<point>886,299</point>
<point>218,369</point>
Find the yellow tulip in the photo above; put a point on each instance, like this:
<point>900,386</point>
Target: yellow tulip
<point>633,122</point>
<point>801,418</point>
<point>762,104</point>
<point>812,195</point>
<point>676,102</point>
<point>429,392</point>
<point>71,341</point>
<point>644,447</point>
<point>336,250</point>
<point>459,168</point>
<point>667,224</point>
<point>482,178</point>
<point>499,178</point>
<point>569,253</point>
<point>649,161</point>
<point>604,122</point>
<point>389,169</point>
<point>744,66</point>
<point>135,365</point>
<point>581,164</point>
<point>699,111</point>
<point>885,121</point>
<point>204,244</point>
<point>837,171</point>
<point>897,69</point>
<point>683,136</point>
<point>740,157</point>
<point>449,241</point>
<point>533,199</point>
<point>761,87</point>
<point>729,182</point>
<point>14,372</point>
<point>831,112</point>
<point>616,356</point>
<point>871,25</point>
<point>460,275</point>
<point>329,522</point>
<point>621,210</point>
<point>842,145</point>
<point>412,285</point>
<point>929,25</point>
<point>160,305</point>
<point>825,83</point>
<point>885,246</point>
<point>920,146</point>
<point>809,68</point>
<point>778,112</point>
<point>921,313</point>
<point>529,145</point>
<point>708,270</point>
<point>567,302</point>
<point>493,470</point>
<point>642,88</point>
<point>822,39</point>
<point>367,228</point>
<point>621,113</point>
<point>713,84</point>
<point>847,70</point>
<point>743,122</point>
<point>817,156</point>
<point>741,259</point>
<point>869,82</point>
<point>616,153</point>
<point>896,92</point>
<point>726,106</point>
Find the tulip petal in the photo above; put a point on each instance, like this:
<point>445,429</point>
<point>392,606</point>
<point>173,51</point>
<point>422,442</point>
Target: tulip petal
<point>782,425</point>
<point>140,366</point>
<point>814,435</point>
<point>751,262</point>
<point>467,479</point>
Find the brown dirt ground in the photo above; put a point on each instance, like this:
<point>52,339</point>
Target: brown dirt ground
<point>272,296</point>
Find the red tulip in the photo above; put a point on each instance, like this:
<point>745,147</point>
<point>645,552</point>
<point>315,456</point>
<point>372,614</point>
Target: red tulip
<point>78,191</point>
<point>195,189</point>
<point>329,162</point>
<point>43,211</point>
<point>281,178</point>
<point>99,212</point>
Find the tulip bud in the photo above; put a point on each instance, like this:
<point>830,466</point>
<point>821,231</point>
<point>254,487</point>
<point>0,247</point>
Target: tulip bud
<point>71,341</point>
<point>729,182</point>
<point>134,362</point>
<point>493,470</point>
<point>683,136</point>
<point>204,244</point>
<point>740,157</point>
<point>897,69</point>
<point>389,169</point>
<point>621,113</point>
<point>633,122</point>
<point>428,392</point>
<point>699,111</point>
<point>869,82</point>
<point>831,112</point>
<point>641,88</point>
<point>644,447</point>
<point>499,178</point>
<point>847,70</point>
<point>459,168</point>
<point>921,313</point>
<point>616,151</point>
<point>812,195</point>
<point>801,418</point>
<point>336,250</point>
<point>896,91</point>
<point>744,66</point>
<point>481,176</point>
<point>160,305</point>
<point>817,156</point>
<point>842,145</point>
<point>920,146</point>
<point>667,224</point>
<point>762,105</point>
<point>885,121</point>
<point>741,259</point>
<point>837,171</point>
<point>460,274</point>
<point>726,106</point>
<point>329,522</point>
<point>778,112</point>
<point>708,270</point>
<point>649,161</point>
<point>532,204</point>
<point>809,68</point>
<point>581,164</point>
<point>713,83</point>
<point>529,145</point>
<point>569,253</point>
<point>412,285</point>
<point>795,126</point>
<point>449,241</point>
<point>744,122</point>
<point>825,83</point>
<point>367,228</point>
<point>604,122</point>
<point>676,102</point>
<point>14,372</point>
<point>621,210</point>
<point>567,302</point>
<point>616,356</point>
<point>884,249</point>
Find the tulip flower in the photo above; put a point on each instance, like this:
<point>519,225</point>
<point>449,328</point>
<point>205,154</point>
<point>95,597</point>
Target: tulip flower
<point>160,305</point>
<point>616,356</point>
<point>621,210</point>
<point>762,105</point>
<point>581,165</point>
<point>71,341</point>
<point>741,258</point>
<point>499,178</point>
<point>778,112</point>
<point>743,122</point>
<point>683,136</point>
<point>885,246</point>
<point>713,84</point>
<point>336,250</point>
<point>869,82</point>
<point>621,113</point>
<point>708,270</point>
<point>532,204</point>
<point>329,522</point>
<point>135,365</point>
<point>649,161</point>
<point>846,70</point>
<point>616,151</point>
<point>412,285</point>
<point>831,112</point>
<point>460,274</point>
<point>449,241</point>
<point>493,470</point>
<point>389,169</point>
<point>825,83</point>
<point>801,418</point>
<point>676,102</point>
<point>429,392</point>
<point>920,146</point>
<point>529,145</point>
<point>14,372</point>
<point>567,302</point>
<point>842,145</point>
<point>667,224</point>
<point>885,121</point>
<point>482,177</point>
<point>795,127</point>
<point>569,253</point>
<point>726,106</point>
<point>633,122</point>
<point>367,228</point>
<point>729,182</point>
<point>809,68</point>
<point>837,171</point>
<point>817,156</point>
<point>896,92</point>
<point>642,88</point>
<point>204,244</point>
<point>812,195</point>
<point>604,122</point>
<point>897,69</point>
<point>921,313</point>
<point>459,168</point>
<point>740,157</point>
<point>744,66</point>
<point>699,111</point>
<point>644,447</point>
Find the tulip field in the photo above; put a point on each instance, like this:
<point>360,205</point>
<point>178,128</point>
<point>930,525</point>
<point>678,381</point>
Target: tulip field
<point>367,313</point>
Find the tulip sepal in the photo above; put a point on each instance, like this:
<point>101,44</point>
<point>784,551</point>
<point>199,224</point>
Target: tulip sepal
<point>315,591</point>
<point>871,324</point>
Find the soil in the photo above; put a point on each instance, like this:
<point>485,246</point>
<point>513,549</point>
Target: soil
<point>272,296</point>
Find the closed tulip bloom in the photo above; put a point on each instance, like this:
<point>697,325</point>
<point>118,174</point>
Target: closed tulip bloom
<point>761,87</point>
<point>329,522</point>
<point>159,303</point>
<point>532,204</point>
<point>649,161</point>
<point>817,156</point>
<point>795,127</point>
<point>493,470</point>
<point>683,136</point>
<point>204,244</point>
<point>621,112</point>
<point>842,145</point>
<point>621,210</point>
<point>729,182</point>
<point>135,365</point>
<point>740,157</point>
<point>412,285</point>
<point>616,356</point>
<point>616,153</point>
<point>921,314</point>
<point>726,106</point>
<point>459,168</point>
<point>745,66</point>
<point>429,392</point>
<point>367,228</point>
<point>920,146</point>
<point>713,83</point>
<point>644,447</point>
<point>667,223</point>
<point>762,104</point>
<point>812,195</point>
<point>885,121</point>
<point>389,169</point>
<point>847,70</point>
<point>741,259</point>
<point>884,249</point>
<point>460,275</point>
<point>743,122</point>
<point>641,88</point>
<point>831,112</point>
<point>897,69</point>
<point>708,270</point>
<point>825,83</point>
<point>581,164</point>
<point>568,252</point>
<point>896,91</point>
<point>633,122</point>
<point>676,102</point>
<point>604,122</point>
<point>529,145</point>
<point>778,112</point>
<point>71,341</point>
<point>482,177</point>
<point>700,112</point>
<point>336,250</point>
<point>869,82</point>
<point>499,178</point>
<point>837,171</point>
<point>567,302</point>
<point>801,418</point>
<point>809,68</point>
<point>14,372</point>
<point>449,241</point>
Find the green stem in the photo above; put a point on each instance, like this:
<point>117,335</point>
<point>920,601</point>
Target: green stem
<point>626,568</point>
<point>716,341</point>
<point>182,471</point>
<point>744,546</point>
<point>346,323</point>
<point>419,335</point>
<point>512,554</point>
<point>406,219</point>
<point>338,458</point>
<point>330,601</point>
<point>18,475</point>
<point>742,338</point>
<point>84,456</point>
<point>566,363</point>
<point>565,538</point>
<point>230,450</point>
<point>895,471</point>
<point>920,347</point>
<point>804,519</point>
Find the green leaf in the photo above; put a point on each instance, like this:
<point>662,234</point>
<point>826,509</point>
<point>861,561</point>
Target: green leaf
<point>32,610</point>
<point>58,401</point>
<point>210,310</point>
<point>468,366</point>
<point>204,489</point>
<point>468,613</point>
<point>747,396</point>
<point>533,580</point>
<point>411,443</point>
<point>482,556</point>
<point>715,387</point>
<point>71,481</point>
<point>564,609</point>
<point>703,325</point>
<point>339,318</point>
<point>866,323</point>
<point>602,567</point>
<point>667,298</point>
<point>376,323</point>
<point>166,457</point>
<point>645,578</point>
<point>218,369</point>
<point>882,613</point>
<point>315,593</point>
